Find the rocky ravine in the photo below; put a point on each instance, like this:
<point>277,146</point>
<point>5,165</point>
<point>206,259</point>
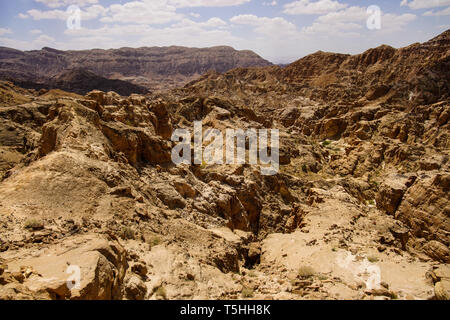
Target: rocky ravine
<point>359,209</point>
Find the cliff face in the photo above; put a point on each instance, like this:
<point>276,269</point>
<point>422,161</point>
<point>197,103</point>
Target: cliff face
<point>155,68</point>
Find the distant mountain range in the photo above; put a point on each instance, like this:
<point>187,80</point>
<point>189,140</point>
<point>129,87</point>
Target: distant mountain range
<point>144,68</point>
<point>416,73</point>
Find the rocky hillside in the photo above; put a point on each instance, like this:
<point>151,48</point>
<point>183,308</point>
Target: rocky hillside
<point>155,68</point>
<point>358,210</point>
<point>82,81</point>
<point>417,73</point>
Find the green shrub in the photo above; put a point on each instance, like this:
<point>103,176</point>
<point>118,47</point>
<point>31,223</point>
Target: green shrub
<point>161,292</point>
<point>252,274</point>
<point>127,233</point>
<point>247,292</point>
<point>154,241</point>
<point>306,272</point>
<point>34,224</point>
<point>322,277</point>
<point>326,143</point>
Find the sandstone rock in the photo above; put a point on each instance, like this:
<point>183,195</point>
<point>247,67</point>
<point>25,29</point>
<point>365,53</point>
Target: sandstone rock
<point>296,218</point>
<point>377,92</point>
<point>401,232</point>
<point>123,191</point>
<point>169,196</point>
<point>254,253</point>
<point>97,95</point>
<point>289,116</point>
<point>137,144</point>
<point>163,119</point>
<point>102,264</point>
<point>220,113</point>
<point>380,292</point>
<point>185,189</point>
<point>442,273</point>
<point>135,288</point>
<point>391,194</point>
<point>442,290</point>
<point>423,209</point>
<point>437,251</point>
<point>137,100</point>
<point>140,269</point>
<point>332,128</point>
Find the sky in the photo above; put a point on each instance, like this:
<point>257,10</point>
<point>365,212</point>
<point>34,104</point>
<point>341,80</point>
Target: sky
<point>281,31</point>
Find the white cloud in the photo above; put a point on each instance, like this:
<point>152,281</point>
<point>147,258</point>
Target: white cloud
<point>425,4</point>
<point>352,21</point>
<point>61,3</point>
<point>184,33</point>
<point>89,13</point>
<point>444,12</point>
<point>5,31</point>
<point>44,39</point>
<point>147,11</point>
<point>211,23</point>
<point>215,22</point>
<point>392,22</point>
<point>35,31</point>
<point>317,7</point>
<point>206,3</point>
<point>175,3</point>
<point>270,4</point>
<point>351,14</point>
<point>138,11</point>
<point>273,27</point>
<point>344,22</point>
<point>51,14</point>
<point>38,43</point>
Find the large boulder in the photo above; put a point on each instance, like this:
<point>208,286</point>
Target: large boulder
<point>169,196</point>
<point>424,209</point>
<point>391,193</point>
<point>88,267</point>
<point>137,144</point>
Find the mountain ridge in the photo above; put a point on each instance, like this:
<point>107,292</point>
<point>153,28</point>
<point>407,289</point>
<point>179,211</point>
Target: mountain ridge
<point>327,76</point>
<point>152,67</point>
